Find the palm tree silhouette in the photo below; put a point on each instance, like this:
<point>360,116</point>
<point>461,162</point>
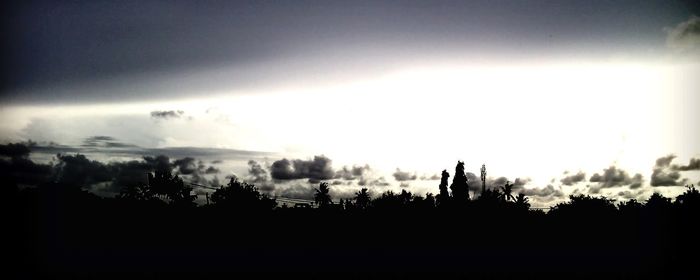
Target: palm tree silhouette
<point>507,191</point>
<point>362,199</point>
<point>522,201</point>
<point>322,198</point>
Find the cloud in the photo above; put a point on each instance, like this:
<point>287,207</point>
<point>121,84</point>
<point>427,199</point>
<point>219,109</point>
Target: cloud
<point>104,142</point>
<point>353,173</point>
<point>664,173</point>
<point>212,170</point>
<point>296,191</point>
<point>614,177</point>
<point>315,170</point>
<point>159,163</point>
<point>78,170</point>
<point>573,179</point>
<point>404,176</point>
<point>684,37</point>
<point>259,176</point>
<point>429,178</point>
<point>186,165</point>
<point>474,182</point>
<point>379,182</point>
<point>631,194</point>
<point>167,114</point>
<point>548,191</point>
<point>693,164</point>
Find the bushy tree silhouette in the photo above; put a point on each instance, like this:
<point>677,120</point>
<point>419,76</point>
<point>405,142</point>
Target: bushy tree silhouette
<point>689,198</point>
<point>444,195</point>
<point>522,202</point>
<point>459,187</point>
<point>241,195</point>
<point>170,188</point>
<point>658,202</point>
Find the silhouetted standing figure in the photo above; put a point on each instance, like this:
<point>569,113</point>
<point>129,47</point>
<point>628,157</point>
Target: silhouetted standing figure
<point>459,187</point>
<point>444,194</point>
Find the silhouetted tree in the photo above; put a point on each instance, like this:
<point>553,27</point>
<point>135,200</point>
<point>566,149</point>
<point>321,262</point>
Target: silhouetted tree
<point>322,198</point>
<point>585,206</point>
<point>507,191</point>
<point>362,199</point>
<point>630,207</point>
<point>444,195</point>
<point>522,202</point>
<point>241,195</point>
<point>140,192</point>
<point>691,197</point>
<point>459,187</point>
<point>658,202</point>
<point>170,188</point>
<point>429,200</point>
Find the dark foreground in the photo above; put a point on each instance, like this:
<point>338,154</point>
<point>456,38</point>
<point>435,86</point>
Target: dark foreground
<point>81,235</point>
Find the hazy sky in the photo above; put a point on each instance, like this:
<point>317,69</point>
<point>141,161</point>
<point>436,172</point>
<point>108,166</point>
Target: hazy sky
<point>531,88</point>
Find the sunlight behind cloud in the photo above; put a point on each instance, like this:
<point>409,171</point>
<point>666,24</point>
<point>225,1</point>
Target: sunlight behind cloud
<point>520,119</point>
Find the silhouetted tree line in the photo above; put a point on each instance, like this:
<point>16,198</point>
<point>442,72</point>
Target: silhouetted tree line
<point>156,226</point>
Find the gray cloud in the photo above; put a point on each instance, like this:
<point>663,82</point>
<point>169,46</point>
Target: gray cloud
<point>379,182</point>
<point>693,164</point>
<point>186,166</point>
<point>664,173</point>
<point>404,176</point>
<point>573,179</point>
<point>492,183</point>
<point>315,170</point>
<point>259,176</point>
<point>631,194</point>
<point>104,142</point>
<point>548,191</point>
<point>352,173</point>
<point>212,170</point>
<point>125,149</point>
<point>429,178</point>
<point>614,177</point>
<point>685,37</point>
<point>167,114</point>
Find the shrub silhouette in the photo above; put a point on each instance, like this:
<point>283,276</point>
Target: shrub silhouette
<point>242,196</point>
<point>66,227</point>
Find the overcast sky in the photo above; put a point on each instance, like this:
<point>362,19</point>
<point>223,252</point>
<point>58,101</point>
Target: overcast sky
<point>531,88</point>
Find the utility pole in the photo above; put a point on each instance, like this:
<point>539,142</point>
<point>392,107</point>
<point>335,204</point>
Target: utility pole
<point>483,179</point>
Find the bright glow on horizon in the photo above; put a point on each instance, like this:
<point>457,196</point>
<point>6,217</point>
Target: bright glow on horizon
<point>521,120</point>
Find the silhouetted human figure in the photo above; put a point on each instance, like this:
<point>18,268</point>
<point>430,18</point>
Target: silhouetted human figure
<point>459,187</point>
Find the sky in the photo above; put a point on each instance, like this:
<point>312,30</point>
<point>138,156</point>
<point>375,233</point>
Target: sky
<point>563,96</point>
